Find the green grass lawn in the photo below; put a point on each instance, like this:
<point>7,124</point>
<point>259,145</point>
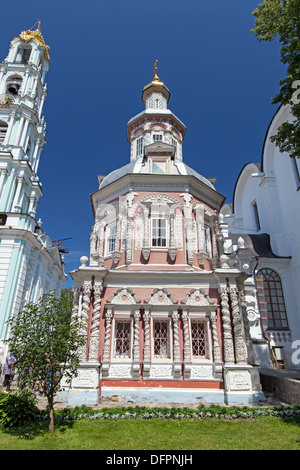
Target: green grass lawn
<point>263,433</point>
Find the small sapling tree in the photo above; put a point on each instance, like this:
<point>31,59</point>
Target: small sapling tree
<point>45,340</point>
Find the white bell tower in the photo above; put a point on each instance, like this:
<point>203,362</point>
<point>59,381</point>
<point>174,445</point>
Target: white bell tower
<point>22,126</point>
<point>30,262</point>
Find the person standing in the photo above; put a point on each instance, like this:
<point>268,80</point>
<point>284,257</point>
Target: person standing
<point>8,372</point>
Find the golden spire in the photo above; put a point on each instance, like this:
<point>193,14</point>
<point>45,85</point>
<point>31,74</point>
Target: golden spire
<point>26,36</point>
<point>155,83</point>
<point>155,79</point>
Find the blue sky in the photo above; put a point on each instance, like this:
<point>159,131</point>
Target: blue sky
<point>102,54</point>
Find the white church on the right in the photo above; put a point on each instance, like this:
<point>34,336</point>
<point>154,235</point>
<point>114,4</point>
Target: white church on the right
<point>261,230</point>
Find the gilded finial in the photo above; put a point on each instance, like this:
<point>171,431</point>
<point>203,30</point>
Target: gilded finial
<point>26,36</point>
<point>155,72</point>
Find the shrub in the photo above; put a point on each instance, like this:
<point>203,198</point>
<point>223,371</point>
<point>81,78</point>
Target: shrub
<point>17,408</point>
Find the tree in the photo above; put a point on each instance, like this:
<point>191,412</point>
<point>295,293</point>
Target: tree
<point>281,19</point>
<point>45,340</point>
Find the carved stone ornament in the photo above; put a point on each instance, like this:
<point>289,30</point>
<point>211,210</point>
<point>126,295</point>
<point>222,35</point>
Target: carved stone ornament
<point>198,297</point>
<point>160,297</point>
<point>146,252</point>
<point>124,296</point>
<point>172,253</point>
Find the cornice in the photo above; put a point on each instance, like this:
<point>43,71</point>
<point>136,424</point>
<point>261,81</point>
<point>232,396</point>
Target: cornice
<point>153,183</point>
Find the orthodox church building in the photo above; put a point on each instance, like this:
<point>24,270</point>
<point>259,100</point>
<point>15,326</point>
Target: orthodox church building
<point>162,301</point>
<point>30,263</point>
<point>261,230</point>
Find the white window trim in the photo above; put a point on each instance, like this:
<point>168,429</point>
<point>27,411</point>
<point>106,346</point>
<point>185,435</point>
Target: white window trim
<point>159,248</point>
<point>204,319</point>
<point>157,133</point>
<point>121,317</point>
<point>107,242</point>
<point>167,318</point>
<point>139,146</point>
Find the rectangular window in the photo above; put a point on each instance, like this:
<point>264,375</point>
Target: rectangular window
<point>174,142</point>
<point>157,137</point>
<point>161,339</point>
<point>159,232</point>
<point>199,340</point>
<point>112,238</point>
<point>139,146</point>
<point>122,338</point>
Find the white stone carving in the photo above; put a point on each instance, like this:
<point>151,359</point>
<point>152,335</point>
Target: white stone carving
<point>161,371</point>
<point>87,378</point>
<point>120,370</point>
<point>130,198</point>
<point>202,372</point>
<point>160,297</point>
<point>198,297</point>
<point>178,231</point>
<point>187,198</point>
<point>238,380</point>
<point>123,296</point>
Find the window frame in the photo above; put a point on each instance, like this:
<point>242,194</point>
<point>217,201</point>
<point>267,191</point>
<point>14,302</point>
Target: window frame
<point>108,239</point>
<point>203,320</point>
<point>139,146</point>
<point>157,134</point>
<point>122,319</point>
<point>267,301</point>
<point>166,220</point>
<point>160,318</point>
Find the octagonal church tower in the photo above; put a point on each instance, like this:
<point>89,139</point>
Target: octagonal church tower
<point>161,305</point>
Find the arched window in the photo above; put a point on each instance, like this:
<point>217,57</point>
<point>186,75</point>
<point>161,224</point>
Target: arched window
<point>13,85</point>
<point>3,130</point>
<point>23,55</point>
<point>271,299</point>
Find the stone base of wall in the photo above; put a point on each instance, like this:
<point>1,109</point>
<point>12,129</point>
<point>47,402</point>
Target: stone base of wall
<point>127,395</point>
<point>282,384</point>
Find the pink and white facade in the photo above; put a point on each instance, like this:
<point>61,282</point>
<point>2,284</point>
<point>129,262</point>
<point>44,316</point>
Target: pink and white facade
<point>161,305</point>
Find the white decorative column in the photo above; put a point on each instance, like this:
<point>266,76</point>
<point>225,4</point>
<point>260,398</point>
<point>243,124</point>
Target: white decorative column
<point>172,249</point>
<point>2,179</point>
<point>129,239</point>
<point>216,347</point>
<point>16,203</point>
<point>84,317</point>
<point>20,129</point>
<point>136,346</point>
<point>186,345</point>
<point>94,333</point>
<point>239,340</point>
<point>147,347</point>
<point>107,342</point>
<point>146,244</point>
<point>226,321</point>
<point>10,126</point>
<point>176,346</point>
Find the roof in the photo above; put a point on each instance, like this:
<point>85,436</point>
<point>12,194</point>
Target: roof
<point>258,244</point>
<point>137,166</point>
